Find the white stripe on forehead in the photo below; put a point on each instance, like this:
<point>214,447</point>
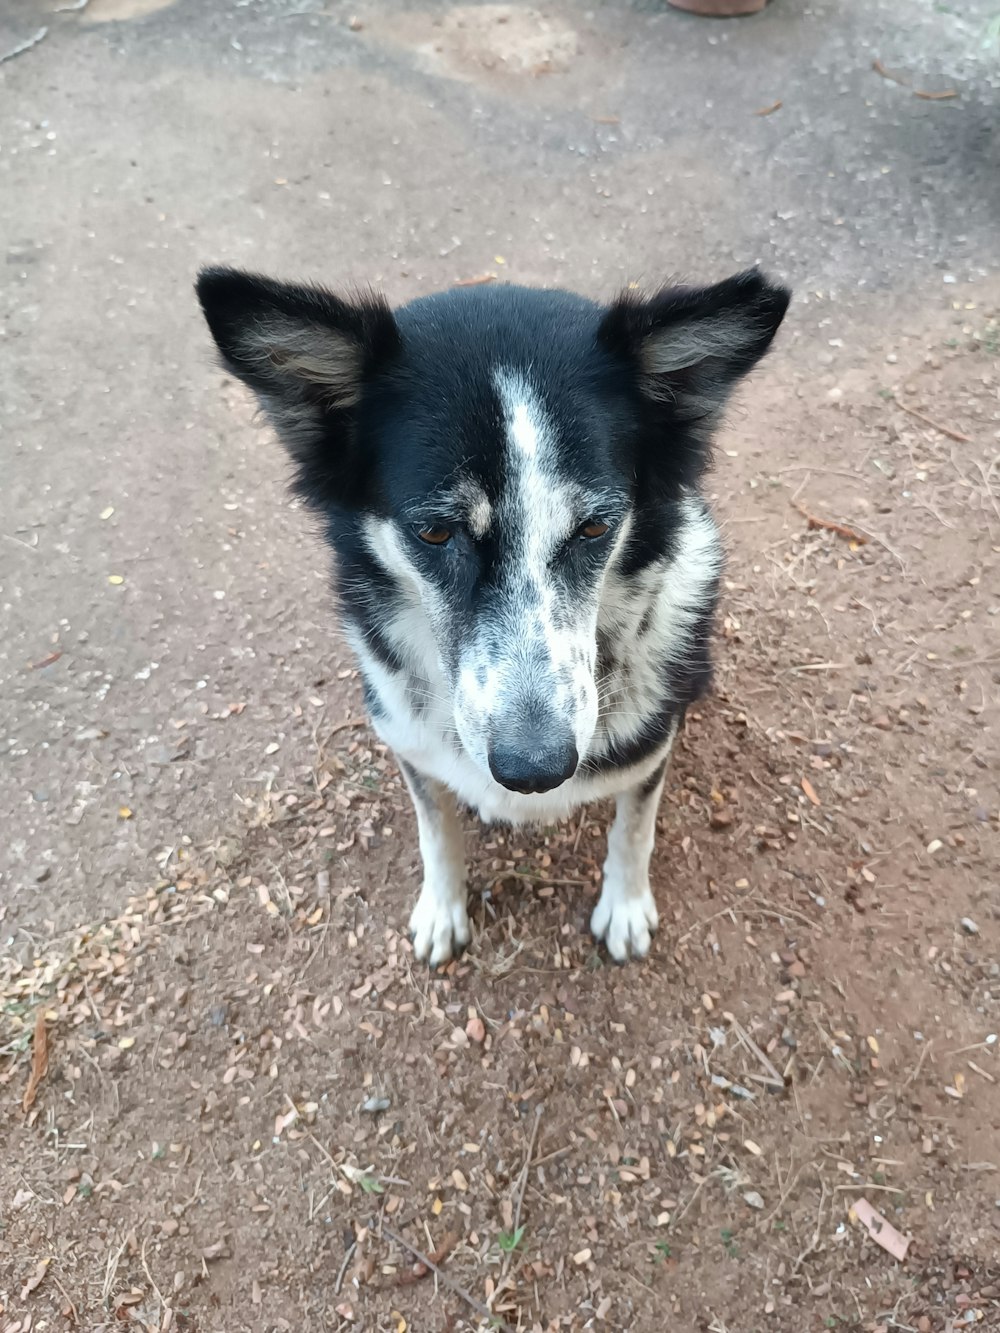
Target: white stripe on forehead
<point>539,513</point>
<point>523,429</point>
<point>523,411</point>
<point>533,488</point>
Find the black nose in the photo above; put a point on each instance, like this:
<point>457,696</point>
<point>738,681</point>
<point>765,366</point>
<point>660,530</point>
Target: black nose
<point>533,761</point>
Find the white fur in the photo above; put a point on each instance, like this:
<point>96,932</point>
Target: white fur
<point>439,923</point>
<point>625,916</point>
<point>550,647</point>
<point>548,652</point>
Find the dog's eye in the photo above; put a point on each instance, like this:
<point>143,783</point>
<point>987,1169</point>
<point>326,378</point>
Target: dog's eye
<point>592,529</point>
<point>435,536</point>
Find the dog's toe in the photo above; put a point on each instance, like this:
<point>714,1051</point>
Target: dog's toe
<point>439,927</point>
<point>625,924</point>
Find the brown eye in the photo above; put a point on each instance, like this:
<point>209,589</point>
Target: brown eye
<point>593,529</point>
<point>434,536</point>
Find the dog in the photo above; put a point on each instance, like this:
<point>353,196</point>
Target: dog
<point>527,569</point>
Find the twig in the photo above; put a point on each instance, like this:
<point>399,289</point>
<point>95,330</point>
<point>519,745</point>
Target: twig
<point>774,910</point>
<point>69,1299</point>
<point>935,97</point>
<point>152,1281</point>
<point>828,525</point>
<point>879,68</point>
<point>869,1185</point>
<point>812,467</point>
<point>785,1193</point>
<point>111,1269</point>
<point>978,1069</point>
<point>311,1136</point>
<point>698,1189</point>
<point>343,1267</point>
<point>551,1156</point>
<point>934,425</point>
<point>522,1184</point>
<point>442,1276</point>
<point>20,50</point>
<point>814,1243</point>
<point>349,725</point>
<point>881,541</point>
<point>613,1109</point>
<point>769,110</point>
<point>733,907</point>
<point>419,1272</point>
<point>925,1051</point>
<point>744,1036</point>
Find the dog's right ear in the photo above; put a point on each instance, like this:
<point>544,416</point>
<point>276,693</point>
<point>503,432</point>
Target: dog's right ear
<point>306,354</point>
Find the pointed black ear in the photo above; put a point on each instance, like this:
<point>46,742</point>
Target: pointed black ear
<point>691,345</point>
<point>304,352</point>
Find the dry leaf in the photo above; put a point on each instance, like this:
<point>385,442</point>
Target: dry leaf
<point>810,791</point>
<point>36,1278</point>
<point>881,1230</point>
<point>39,1068</point>
<point>458,1180</point>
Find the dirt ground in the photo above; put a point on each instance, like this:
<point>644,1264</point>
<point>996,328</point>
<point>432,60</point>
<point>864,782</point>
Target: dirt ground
<point>230,1098</point>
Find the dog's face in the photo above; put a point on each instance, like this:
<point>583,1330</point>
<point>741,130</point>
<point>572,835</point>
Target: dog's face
<point>499,465</point>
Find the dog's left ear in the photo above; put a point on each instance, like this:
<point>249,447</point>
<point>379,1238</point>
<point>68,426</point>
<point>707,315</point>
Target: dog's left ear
<point>691,345</point>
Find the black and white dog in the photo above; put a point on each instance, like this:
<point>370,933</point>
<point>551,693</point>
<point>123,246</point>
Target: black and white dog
<point>527,571</point>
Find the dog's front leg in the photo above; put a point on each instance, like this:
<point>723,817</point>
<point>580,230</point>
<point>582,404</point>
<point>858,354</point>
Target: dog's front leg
<point>440,920</point>
<point>625,916</point>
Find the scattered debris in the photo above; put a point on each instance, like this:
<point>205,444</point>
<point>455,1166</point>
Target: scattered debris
<point>36,1279</point>
<point>482,1310</point>
<point>421,1270</point>
<point>949,431</point>
<point>39,1062</point>
<point>881,1230</point>
<point>904,82</point>
<point>828,525</point>
<point>944,96</point>
<point>879,68</point>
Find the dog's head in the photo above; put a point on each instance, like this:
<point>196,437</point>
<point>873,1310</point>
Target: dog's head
<point>497,463</point>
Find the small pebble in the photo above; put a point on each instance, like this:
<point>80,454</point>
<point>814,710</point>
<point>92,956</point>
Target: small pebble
<point>969,926</point>
<point>372,1105</point>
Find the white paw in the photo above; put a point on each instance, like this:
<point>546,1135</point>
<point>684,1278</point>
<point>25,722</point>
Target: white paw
<point>439,925</point>
<point>625,923</point>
